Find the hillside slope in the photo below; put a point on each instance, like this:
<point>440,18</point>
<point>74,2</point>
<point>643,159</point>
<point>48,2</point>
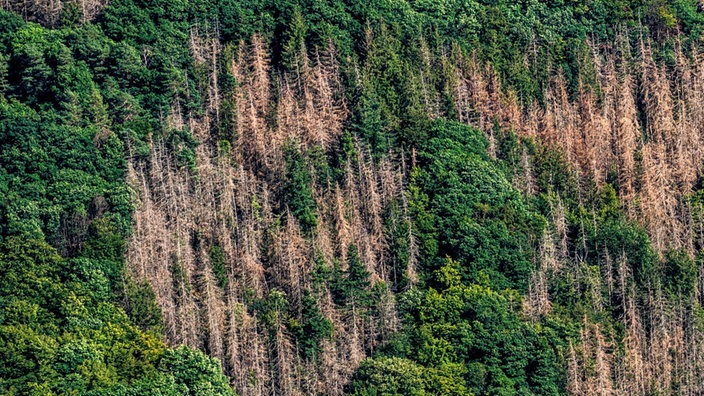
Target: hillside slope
<point>293,198</point>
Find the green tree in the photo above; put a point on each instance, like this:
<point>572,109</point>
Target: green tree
<point>297,191</point>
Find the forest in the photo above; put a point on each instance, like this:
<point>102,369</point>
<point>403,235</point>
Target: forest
<point>347,197</point>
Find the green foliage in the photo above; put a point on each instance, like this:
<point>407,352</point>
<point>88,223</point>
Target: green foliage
<point>68,99</point>
<point>400,233</point>
<point>217,260</point>
<point>630,241</point>
<point>476,235</point>
<point>352,287</point>
<point>71,337</point>
<point>298,192</point>
<point>180,372</point>
<point>294,49</point>
<point>480,219</point>
<point>314,327</point>
<point>478,327</point>
<point>141,307</point>
<point>466,339</point>
<point>200,374</point>
<point>60,332</point>
<point>680,275</point>
<point>397,376</point>
<point>78,99</point>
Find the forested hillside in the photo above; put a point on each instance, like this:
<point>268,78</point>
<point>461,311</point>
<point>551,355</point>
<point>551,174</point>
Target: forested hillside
<point>307,197</point>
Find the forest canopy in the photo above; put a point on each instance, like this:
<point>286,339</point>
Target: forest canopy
<point>349,197</point>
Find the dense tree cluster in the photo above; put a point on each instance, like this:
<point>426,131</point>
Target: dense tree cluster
<point>349,197</point>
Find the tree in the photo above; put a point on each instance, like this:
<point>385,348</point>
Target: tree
<point>297,191</point>
<point>200,374</point>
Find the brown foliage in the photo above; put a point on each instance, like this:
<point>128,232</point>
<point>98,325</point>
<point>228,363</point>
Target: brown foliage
<point>231,200</point>
<point>656,154</point>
